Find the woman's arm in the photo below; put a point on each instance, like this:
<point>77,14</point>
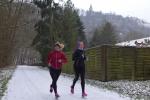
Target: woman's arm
<point>49,58</point>
<point>75,55</point>
<point>85,57</point>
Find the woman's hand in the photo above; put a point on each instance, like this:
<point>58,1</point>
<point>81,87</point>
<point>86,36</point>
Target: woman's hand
<point>49,64</point>
<point>87,58</point>
<point>60,61</point>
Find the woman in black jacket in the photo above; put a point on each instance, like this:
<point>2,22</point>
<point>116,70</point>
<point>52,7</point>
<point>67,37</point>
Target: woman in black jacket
<point>79,67</point>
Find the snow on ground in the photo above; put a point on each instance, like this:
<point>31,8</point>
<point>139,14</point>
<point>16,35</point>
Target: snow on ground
<point>5,74</point>
<point>137,90</point>
<point>32,83</point>
<point>132,42</point>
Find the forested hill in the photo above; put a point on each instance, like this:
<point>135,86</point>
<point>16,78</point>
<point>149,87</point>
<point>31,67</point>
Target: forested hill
<point>124,25</point>
<point>91,21</point>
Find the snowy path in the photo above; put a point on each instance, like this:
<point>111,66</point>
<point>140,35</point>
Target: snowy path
<point>32,83</point>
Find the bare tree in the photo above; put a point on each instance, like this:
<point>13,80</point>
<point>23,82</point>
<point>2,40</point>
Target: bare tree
<point>10,11</point>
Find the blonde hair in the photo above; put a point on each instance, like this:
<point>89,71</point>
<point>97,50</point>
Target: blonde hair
<point>61,45</point>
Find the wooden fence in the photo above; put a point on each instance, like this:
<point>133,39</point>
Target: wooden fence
<point>107,63</point>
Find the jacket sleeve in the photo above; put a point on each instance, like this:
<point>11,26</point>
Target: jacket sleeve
<point>49,57</point>
<point>75,56</point>
<point>85,58</point>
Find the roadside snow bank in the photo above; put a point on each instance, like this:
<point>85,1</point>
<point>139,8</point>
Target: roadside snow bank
<point>134,89</point>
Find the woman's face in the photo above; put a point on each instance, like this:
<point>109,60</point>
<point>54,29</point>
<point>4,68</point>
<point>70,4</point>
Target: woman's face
<point>57,48</point>
<point>81,45</point>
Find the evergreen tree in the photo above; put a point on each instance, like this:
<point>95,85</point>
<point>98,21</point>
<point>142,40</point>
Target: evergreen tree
<point>108,35</point>
<point>104,35</point>
<point>50,16</point>
<point>58,23</point>
<point>95,39</point>
<point>73,28</point>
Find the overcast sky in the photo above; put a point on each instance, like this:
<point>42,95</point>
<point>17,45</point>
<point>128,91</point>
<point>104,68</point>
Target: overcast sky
<point>135,8</point>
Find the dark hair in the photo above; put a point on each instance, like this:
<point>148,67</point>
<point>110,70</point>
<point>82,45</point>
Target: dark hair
<point>77,45</point>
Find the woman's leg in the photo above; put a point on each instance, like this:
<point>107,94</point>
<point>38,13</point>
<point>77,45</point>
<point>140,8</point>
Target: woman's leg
<point>52,74</point>
<point>56,76</point>
<point>76,77</point>
<point>82,74</point>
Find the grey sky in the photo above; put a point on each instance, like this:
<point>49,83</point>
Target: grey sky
<point>135,8</point>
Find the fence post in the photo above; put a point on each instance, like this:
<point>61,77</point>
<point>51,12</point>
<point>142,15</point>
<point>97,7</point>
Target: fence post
<point>104,63</point>
<point>135,64</point>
